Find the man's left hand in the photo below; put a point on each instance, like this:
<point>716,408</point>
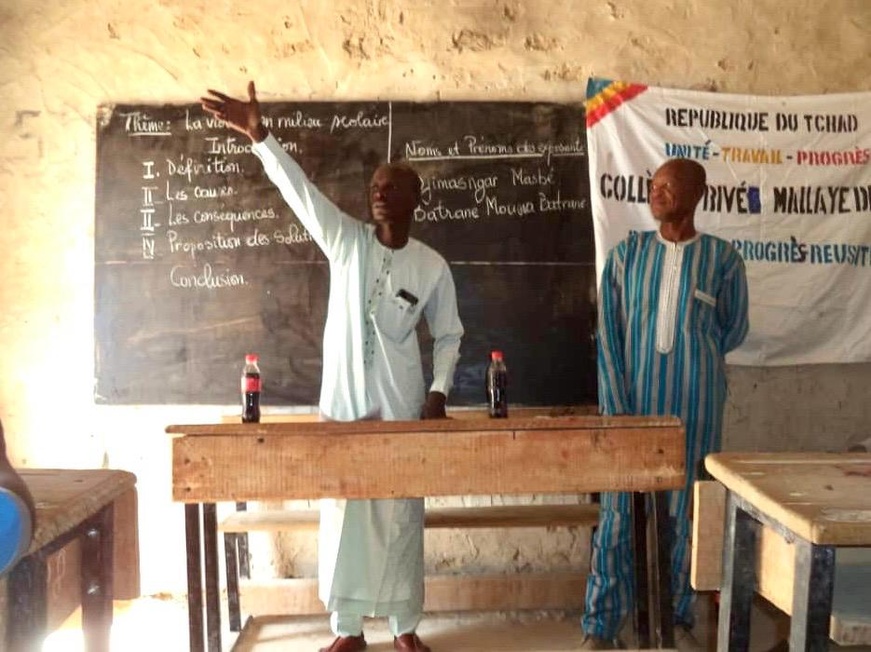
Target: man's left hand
<point>434,407</point>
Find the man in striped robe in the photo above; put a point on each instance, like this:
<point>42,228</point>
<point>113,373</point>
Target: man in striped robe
<point>672,303</point>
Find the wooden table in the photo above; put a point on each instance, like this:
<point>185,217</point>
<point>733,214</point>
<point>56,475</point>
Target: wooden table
<point>395,459</point>
<point>817,501</point>
<point>74,507</point>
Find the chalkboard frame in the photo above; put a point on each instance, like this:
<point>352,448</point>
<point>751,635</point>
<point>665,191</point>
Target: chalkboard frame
<point>525,277</point>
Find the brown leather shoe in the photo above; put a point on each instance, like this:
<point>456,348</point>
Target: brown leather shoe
<point>409,643</point>
<point>346,644</point>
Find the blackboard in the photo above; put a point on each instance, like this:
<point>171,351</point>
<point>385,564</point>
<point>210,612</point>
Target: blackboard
<point>198,261</point>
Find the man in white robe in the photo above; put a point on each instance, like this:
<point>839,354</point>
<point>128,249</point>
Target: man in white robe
<point>381,283</point>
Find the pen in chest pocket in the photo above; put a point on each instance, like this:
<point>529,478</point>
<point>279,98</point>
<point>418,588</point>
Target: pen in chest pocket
<point>408,296</point>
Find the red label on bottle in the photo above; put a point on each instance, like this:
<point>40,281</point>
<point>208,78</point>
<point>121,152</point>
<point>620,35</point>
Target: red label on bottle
<point>250,384</point>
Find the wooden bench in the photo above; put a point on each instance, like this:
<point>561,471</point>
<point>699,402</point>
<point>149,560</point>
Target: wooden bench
<point>275,596</point>
<point>775,572</point>
<point>85,551</point>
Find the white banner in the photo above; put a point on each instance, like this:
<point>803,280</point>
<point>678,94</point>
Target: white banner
<point>789,185</point>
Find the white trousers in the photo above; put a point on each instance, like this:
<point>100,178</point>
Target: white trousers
<point>350,624</point>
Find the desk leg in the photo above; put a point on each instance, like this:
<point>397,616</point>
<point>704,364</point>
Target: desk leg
<point>242,547</point>
<point>662,545</point>
<point>739,579</point>
<point>96,579</point>
<point>195,578</point>
<point>642,579</point>
<point>28,613</point>
<point>213,588</point>
<point>232,550</point>
<point>812,596</point>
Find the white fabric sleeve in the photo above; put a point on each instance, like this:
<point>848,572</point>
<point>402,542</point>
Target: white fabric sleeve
<point>447,331</point>
<point>320,216</point>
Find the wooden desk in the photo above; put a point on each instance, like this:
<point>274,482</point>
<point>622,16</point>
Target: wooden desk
<point>395,459</point>
<point>817,501</point>
<point>81,508</point>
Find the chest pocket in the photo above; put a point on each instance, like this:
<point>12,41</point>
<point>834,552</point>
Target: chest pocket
<point>704,309</point>
<point>704,297</point>
<point>397,312</point>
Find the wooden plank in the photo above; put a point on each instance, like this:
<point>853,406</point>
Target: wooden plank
<point>709,513</point>
<point>439,517</point>
<point>530,420</point>
<point>506,592</point>
<point>484,592</point>
<point>389,459</point>
<point>851,609</point>
<point>64,592</point>
<point>292,596</point>
<point>824,498</point>
<point>586,515</point>
<point>66,497</point>
<point>126,582</point>
<point>64,566</point>
<point>271,520</point>
<point>775,569</point>
<point>851,605</point>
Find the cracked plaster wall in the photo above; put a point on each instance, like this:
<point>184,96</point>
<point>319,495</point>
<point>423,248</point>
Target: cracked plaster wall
<point>60,60</point>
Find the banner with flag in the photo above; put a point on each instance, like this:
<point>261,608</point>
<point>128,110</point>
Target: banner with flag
<point>789,185</point>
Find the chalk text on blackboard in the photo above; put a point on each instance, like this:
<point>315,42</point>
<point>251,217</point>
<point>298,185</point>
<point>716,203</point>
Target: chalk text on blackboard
<point>204,278</point>
<point>200,123</point>
<point>441,213</point>
<point>188,167</point>
<point>227,145</point>
<point>359,121</point>
<point>521,177</point>
<point>294,234</point>
<point>139,123</point>
<point>216,242</point>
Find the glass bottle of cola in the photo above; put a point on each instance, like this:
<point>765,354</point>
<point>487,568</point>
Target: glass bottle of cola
<point>251,389</point>
<point>497,384</point>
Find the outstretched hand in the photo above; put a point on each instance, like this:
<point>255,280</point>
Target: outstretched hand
<point>241,116</point>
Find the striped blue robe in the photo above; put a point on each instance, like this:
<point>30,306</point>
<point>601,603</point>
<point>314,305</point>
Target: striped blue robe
<point>668,314</point>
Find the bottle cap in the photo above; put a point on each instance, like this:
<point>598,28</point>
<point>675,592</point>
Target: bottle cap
<point>495,355</point>
<point>252,357</point>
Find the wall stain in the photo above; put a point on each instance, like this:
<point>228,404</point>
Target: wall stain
<point>540,43</point>
<point>355,47</point>
<point>564,72</point>
<point>475,41</point>
<point>616,12</point>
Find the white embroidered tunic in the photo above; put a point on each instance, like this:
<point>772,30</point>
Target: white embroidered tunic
<point>370,551</point>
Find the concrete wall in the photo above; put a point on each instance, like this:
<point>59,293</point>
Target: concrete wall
<point>59,60</point>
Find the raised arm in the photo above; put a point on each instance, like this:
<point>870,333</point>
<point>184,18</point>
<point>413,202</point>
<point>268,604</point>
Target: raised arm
<point>244,117</point>
<point>320,216</point>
